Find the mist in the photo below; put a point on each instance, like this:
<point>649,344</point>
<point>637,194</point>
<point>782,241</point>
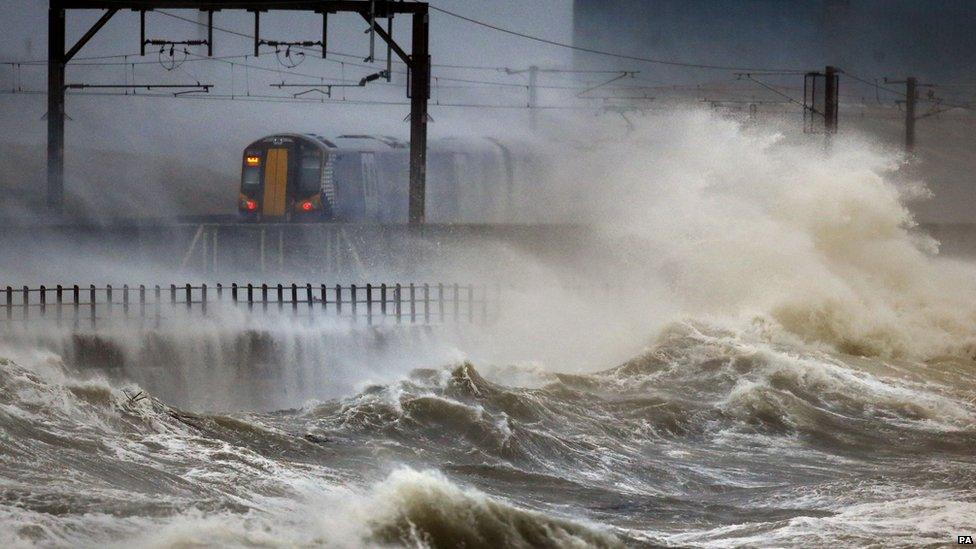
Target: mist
<point>669,306</point>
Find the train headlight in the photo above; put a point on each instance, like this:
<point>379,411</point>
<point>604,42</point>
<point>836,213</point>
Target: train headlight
<point>252,161</point>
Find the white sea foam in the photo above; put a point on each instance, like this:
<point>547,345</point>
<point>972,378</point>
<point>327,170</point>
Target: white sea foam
<point>800,259</point>
<point>742,222</point>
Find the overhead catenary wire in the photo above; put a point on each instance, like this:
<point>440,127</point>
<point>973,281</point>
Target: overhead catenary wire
<point>291,99</point>
<point>104,61</point>
<point>774,90</point>
<point>434,65</point>
<point>647,85</point>
<point>258,98</point>
<point>364,65</point>
<point>753,70</point>
<point>757,71</point>
<point>577,48</point>
<point>114,60</point>
<point>872,84</point>
<point>938,101</point>
<point>657,61</point>
<point>241,60</point>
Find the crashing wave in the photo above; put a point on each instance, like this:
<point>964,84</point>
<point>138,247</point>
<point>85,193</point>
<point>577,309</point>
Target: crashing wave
<point>425,509</point>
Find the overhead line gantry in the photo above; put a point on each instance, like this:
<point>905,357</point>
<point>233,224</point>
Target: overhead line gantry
<point>417,61</point>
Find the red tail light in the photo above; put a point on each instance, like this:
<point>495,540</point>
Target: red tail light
<point>250,205</point>
<point>307,206</point>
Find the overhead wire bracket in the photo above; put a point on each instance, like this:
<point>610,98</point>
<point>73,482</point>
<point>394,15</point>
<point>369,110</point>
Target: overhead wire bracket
<point>188,88</point>
<point>372,32</point>
<point>288,59</point>
<point>143,41</point>
<point>326,89</point>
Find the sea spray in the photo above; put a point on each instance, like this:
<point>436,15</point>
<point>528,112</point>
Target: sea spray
<point>742,222</point>
<point>751,268</point>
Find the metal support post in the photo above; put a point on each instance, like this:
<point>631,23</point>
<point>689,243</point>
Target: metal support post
<point>419,92</point>
<point>911,97</point>
<point>55,107</point>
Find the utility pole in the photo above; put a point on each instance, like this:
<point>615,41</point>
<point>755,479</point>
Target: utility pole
<point>817,87</point>
<point>419,92</point>
<point>55,107</point>
<point>911,95</point>
<point>911,101</point>
<point>831,100</point>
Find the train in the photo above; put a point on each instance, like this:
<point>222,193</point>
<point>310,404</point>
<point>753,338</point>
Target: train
<point>304,177</point>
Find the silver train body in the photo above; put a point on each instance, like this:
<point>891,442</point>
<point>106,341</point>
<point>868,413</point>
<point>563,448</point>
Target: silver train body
<point>361,178</point>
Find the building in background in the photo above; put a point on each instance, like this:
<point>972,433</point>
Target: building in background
<point>933,40</point>
<point>867,39</point>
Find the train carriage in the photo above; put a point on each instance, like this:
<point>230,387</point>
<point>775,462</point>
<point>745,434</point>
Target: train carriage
<point>292,177</point>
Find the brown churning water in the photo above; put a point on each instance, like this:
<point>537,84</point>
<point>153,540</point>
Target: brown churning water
<point>794,367</point>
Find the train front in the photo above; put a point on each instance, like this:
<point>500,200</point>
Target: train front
<point>282,180</point>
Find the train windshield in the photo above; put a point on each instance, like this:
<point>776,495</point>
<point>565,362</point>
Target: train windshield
<point>309,179</point>
<point>252,176</point>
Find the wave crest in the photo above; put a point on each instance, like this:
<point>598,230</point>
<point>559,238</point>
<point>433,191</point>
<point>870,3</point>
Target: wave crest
<point>425,509</point>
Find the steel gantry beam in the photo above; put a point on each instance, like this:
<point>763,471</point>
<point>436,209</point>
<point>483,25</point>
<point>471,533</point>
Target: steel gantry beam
<point>333,6</point>
<point>418,63</point>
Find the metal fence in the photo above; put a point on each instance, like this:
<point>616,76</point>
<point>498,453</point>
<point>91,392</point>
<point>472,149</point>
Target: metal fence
<point>91,306</point>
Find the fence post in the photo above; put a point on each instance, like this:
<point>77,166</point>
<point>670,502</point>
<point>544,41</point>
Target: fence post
<point>125,300</point>
<point>397,307</point>
<point>353,301</point>
<point>189,296</point>
<point>142,301</point>
<point>250,296</point>
<point>383,299</point>
<point>471,303</point>
<point>281,296</point>
<point>59,297</point>
<point>233,293</point>
<point>311,300</point>
<point>203,299</point>
<point>91,298</point>
<point>10,303</point>
<point>108,300</point>
<point>440,300</point>
<point>43,302</point>
<point>172,295</point>
<point>294,298</point>
<point>264,296</point>
<point>413,305</point>
<point>325,297</point>
<point>26,302</point>
<point>457,303</point>
<point>338,291</point>
<point>77,295</point>
<point>158,302</point>
<point>426,303</point>
<point>369,304</point>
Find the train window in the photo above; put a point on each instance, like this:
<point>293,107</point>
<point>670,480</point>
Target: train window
<point>310,175</point>
<point>252,177</point>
